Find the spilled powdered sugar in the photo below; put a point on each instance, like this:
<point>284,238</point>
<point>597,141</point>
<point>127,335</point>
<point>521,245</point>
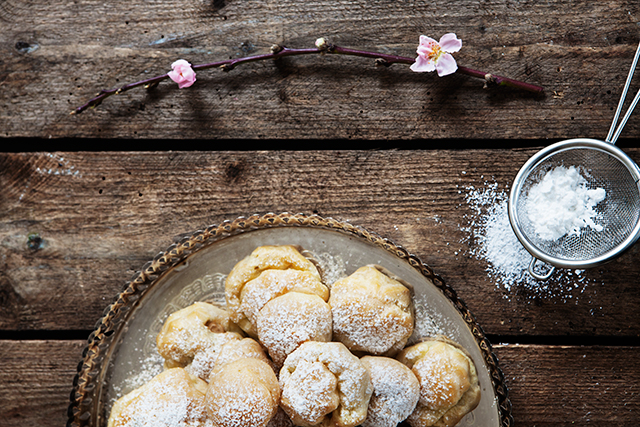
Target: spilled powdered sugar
<point>153,365</point>
<point>428,322</point>
<point>332,266</point>
<point>490,238</point>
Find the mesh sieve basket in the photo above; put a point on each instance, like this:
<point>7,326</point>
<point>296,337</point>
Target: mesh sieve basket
<point>603,165</point>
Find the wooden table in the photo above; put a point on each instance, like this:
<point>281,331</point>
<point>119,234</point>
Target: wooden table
<point>422,160</point>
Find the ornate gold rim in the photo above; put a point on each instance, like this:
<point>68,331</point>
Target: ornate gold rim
<point>88,376</point>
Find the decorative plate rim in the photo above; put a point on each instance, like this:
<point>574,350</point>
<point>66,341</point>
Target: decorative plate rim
<point>89,368</point>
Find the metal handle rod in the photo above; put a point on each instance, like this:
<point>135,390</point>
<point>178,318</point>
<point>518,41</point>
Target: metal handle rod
<point>625,118</point>
<point>537,276</point>
<point>611,137</point>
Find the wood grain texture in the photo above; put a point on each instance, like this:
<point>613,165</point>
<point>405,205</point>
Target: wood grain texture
<point>54,57</point>
<point>596,386</point>
<point>75,226</point>
<point>572,386</point>
<point>36,379</point>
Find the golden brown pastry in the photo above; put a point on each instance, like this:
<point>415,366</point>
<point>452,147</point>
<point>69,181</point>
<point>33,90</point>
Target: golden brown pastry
<point>282,257</point>
<point>372,312</point>
<point>449,387</point>
<point>243,393</point>
<point>324,384</point>
<point>291,319</point>
<point>239,349</point>
<point>272,284</point>
<point>173,398</point>
<point>192,337</point>
<point>396,391</point>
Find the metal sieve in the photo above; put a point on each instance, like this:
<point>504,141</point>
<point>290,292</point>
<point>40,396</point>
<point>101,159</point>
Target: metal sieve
<point>603,165</point>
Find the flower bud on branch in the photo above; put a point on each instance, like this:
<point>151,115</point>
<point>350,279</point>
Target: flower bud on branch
<point>432,56</point>
<point>182,73</point>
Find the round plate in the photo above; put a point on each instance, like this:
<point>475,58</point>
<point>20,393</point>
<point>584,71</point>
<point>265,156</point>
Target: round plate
<point>121,353</point>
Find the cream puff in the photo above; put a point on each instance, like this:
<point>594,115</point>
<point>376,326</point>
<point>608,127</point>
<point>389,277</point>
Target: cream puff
<point>263,258</point>
<point>242,393</point>
<point>372,312</point>
<point>173,398</point>
<point>396,391</point>
<point>192,337</point>
<point>287,321</point>
<point>449,387</point>
<point>271,284</point>
<point>323,383</point>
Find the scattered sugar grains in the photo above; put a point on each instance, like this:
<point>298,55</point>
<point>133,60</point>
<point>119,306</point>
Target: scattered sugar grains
<point>153,365</point>
<point>491,238</point>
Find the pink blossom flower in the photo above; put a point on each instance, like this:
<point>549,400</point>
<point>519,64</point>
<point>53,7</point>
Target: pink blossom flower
<point>433,55</point>
<point>182,73</point>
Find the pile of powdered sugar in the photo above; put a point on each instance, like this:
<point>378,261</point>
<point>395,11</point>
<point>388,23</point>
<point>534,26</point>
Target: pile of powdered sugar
<point>490,238</point>
<point>562,203</point>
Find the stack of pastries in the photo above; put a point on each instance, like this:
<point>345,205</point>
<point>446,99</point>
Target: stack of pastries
<point>289,350</point>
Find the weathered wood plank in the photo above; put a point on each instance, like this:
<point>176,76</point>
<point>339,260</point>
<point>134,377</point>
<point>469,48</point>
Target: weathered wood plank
<point>549,386</point>
<point>101,216</point>
<point>36,379</point>
<point>57,56</point>
<point>572,386</point>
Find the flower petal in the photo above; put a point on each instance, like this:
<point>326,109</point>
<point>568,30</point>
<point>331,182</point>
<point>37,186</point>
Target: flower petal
<point>450,43</point>
<point>422,65</point>
<point>187,81</point>
<point>180,63</point>
<point>425,41</point>
<point>446,65</point>
<point>174,76</point>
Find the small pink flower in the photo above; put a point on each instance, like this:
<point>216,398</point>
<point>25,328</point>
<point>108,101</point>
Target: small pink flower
<point>433,55</point>
<point>182,73</point>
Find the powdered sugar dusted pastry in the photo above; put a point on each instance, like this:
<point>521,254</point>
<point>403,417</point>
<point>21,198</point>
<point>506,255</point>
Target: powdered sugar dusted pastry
<point>372,312</point>
<point>449,387</point>
<point>244,393</point>
<point>239,349</point>
<point>173,398</point>
<point>291,319</point>
<point>272,284</point>
<point>323,383</point>
<point>395,392</point>
<point>282,257</point>
<point>193,336</point>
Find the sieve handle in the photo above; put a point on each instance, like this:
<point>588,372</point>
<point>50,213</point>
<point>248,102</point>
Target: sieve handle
<point>614,133</point>
<point>532,271</point>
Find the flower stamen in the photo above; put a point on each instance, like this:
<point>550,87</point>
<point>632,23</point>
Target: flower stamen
<point>435,53</point>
